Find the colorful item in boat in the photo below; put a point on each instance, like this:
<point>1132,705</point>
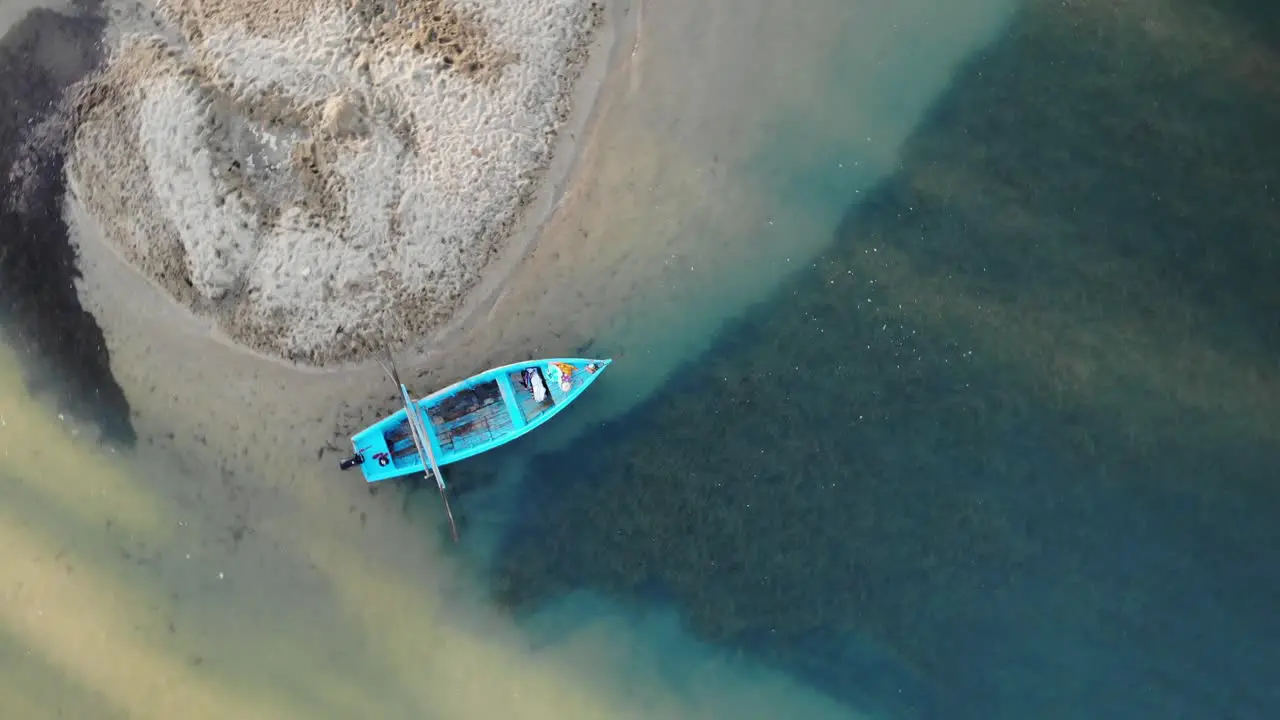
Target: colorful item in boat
<point>561,373</point>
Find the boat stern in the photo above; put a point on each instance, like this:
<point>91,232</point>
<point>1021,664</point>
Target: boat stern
<point>371,454</point>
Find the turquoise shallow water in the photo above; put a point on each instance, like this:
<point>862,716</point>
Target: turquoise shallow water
<point>1002,444</point>
<point>1009,447</point>
<point>204,557</point>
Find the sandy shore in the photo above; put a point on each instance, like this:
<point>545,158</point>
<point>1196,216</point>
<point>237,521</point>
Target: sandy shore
<point>321,178</point>
<point>269,414</point>
<point>655,189</point>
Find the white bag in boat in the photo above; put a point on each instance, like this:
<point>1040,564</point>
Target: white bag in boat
<point>539,387</point>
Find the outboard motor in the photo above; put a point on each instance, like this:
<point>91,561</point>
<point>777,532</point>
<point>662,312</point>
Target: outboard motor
<point>351,462</point>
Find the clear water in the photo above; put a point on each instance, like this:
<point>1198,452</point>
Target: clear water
<point>1007,446</point>
<point>945,387</point>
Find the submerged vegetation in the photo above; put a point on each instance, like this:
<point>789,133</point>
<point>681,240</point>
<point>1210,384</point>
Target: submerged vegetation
<point>1022,407</point>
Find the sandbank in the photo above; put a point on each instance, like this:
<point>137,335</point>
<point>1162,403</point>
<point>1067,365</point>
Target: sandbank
<point>313,181</point>
<point>253,411</point>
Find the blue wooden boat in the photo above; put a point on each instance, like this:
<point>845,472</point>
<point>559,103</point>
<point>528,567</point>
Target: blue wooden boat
<point>468,417</point>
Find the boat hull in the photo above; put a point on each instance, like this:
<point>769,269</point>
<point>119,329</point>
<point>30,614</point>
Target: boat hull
<point>472,416</point>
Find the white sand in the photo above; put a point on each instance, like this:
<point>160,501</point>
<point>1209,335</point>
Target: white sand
<point>323,177</point>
